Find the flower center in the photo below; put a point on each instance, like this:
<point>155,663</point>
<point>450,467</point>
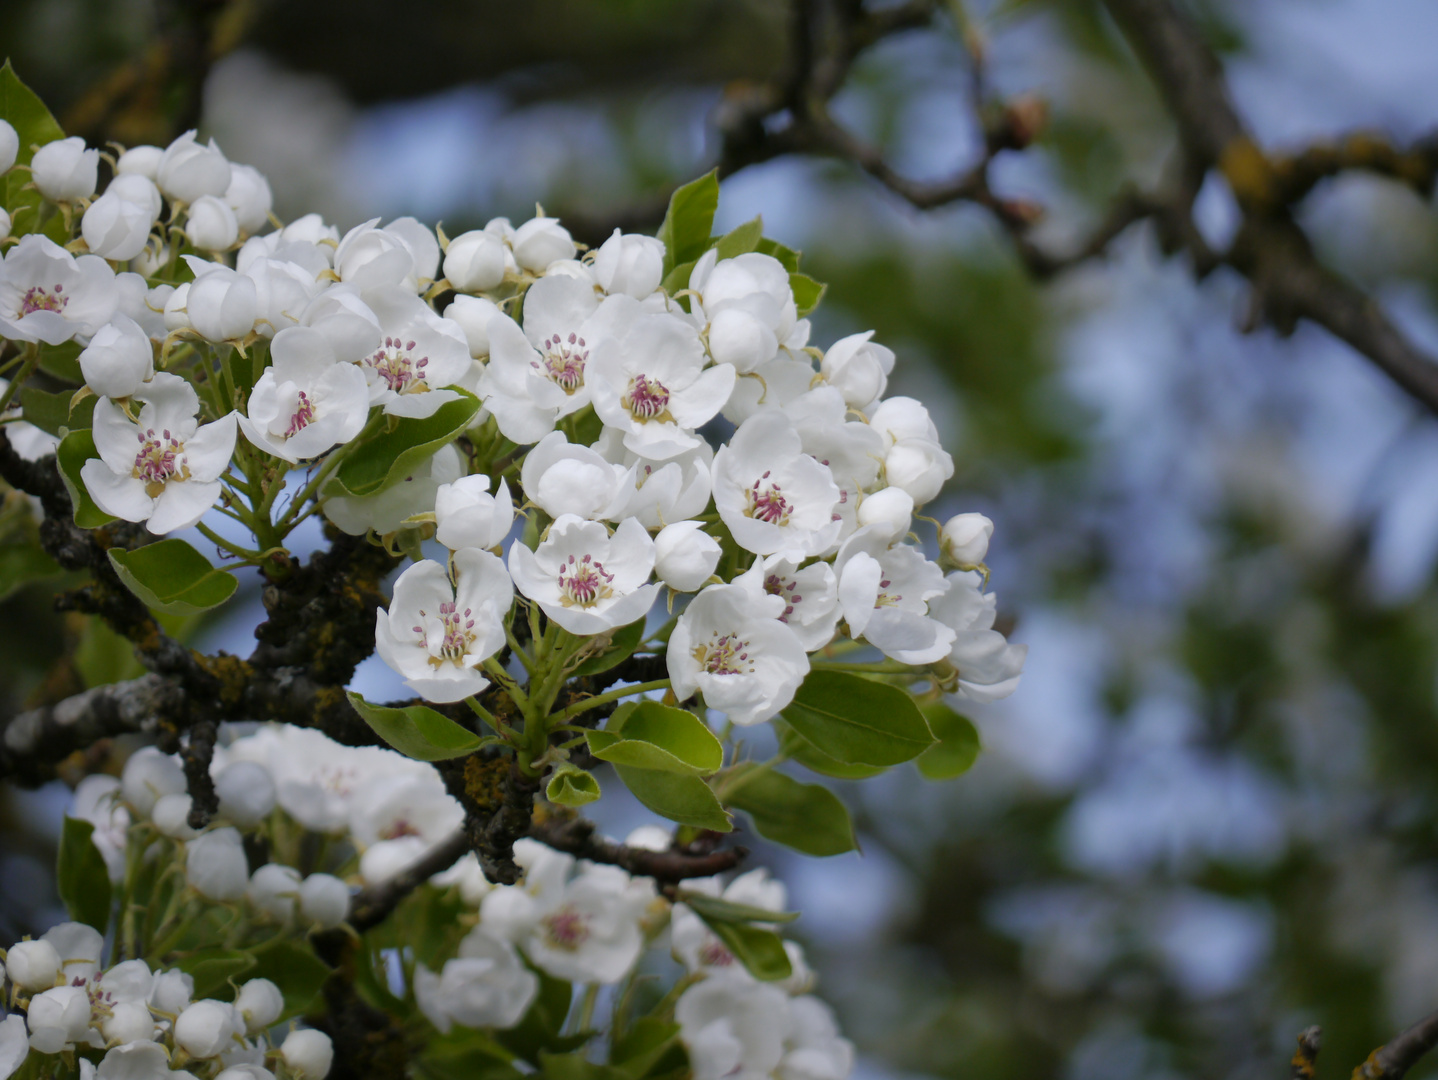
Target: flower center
<point>563,361</point>
<point>400,827</point>
<point>724,655</point>
<point>766,503</point>
<point>647,399</point>
<point>584,582</point>
<point>713,954</point>
<point>566,928</point>
<point>38,298</point>
<point>397,367</point>
<point>884,599</point>
<point>160,460</point>
<point>458,633</point>
<point>774,585</point>
<point>304,415</point>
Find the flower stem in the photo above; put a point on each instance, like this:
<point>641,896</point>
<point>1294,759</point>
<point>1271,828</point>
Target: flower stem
<point>605,698</point>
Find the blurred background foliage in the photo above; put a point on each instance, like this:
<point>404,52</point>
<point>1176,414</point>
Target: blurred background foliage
<point>1209,816</point>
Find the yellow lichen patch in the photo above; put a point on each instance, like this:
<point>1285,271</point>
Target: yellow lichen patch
<point>484,780</point>
<point>231,672</point>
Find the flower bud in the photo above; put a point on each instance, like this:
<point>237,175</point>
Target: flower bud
<point>892,507</point>
<point>140,161</point>
<point>919,466</point>
<point>541,241</point>
<point>273,890</point>
<point>324,900</point>
<point>34,965</point>
<point>151,261</point>
<point>215,865</point>
<point>964,539</point>
<point>250,197</point>
<point>188,170</point>
<point>260,1004</point>
<point>685,555</point>
<point>149,774</point>
<point>129,1021</point>
<point>858,369</point>
<point>246,1072</point>
<point>222,305</point>
<point>118,359</point>
<point>9,146</point>
<point>177,317</point>
<point>903,418</point>
<point>467,515</point>
<point>171,816</point>
<point>308,1053</point>
<point>246,791</point>
<point>631,264</point>
<point>4,223</point>
<point>114,228</point>
<point>206,1028</point>
<point>171,991</point>
<point>211,224</point>
<point>472,314</point>
<point>141,190</point>
<point>739,338</point>
<point>474,262</point>
<point>64,170</point>
<point>58,1017</point>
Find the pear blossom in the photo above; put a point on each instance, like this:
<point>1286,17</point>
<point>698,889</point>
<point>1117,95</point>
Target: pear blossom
<point>64,171</point>
<point>249,196</point>
<point>539,242</point>
<point>892,508</point>
<point>730,645</point>
<point>421,354</point>
<point>97,800</point>
<point>413,809</point>
<point>772,385</point>
<point>49,295</point>
<point>206,1028</point>
<point>770,493</point>
<point>9,145</point>
<point>472,314</point>
<point>813,1047</point>
<point>658,492</point>
<point>884,592</point>
<point>436,633</point>
<point>4,223</point>
<point>220,304</point>
<point>246,792</point>
<point>137,189</point>
<point>273,891</point>
<point>306,402</point>
<point>386,511</point>
<point>404,253</point>
<point>187,170</point>
<point>486,985</point>
<point>79,946</point>
<point>308,1053</point>
<point>584,579</point>
<point>33,965</point>
<point>115,227</point>
<point>14,1041</point>
<point>698,948</point>
<point>562,478</point>
<point>629,264</point>
<point>128,1022</point>
<point>30,442</point>
<point>164,469</point>
<point>467,515</point>
<point>211,224</point>
<point>140,161</point>
<point>324,900</point>
<point>919,466</point>
<point>474,262</point>
<point>810,595</point>
<point>685,555</point>
<point>171,817</point>
<point>733,1027</point>
<point>341,314</point>
<point>171,991</point>
<point>149,775</point>
<point>119,359</point>
<point>58,1018</point>
<point>215,864</point>
<point>747,308</point>
<point>988,665</point>
<point>143,304</point>
<point>964,539</point>
<point>858,368</point>
<point>259,1004</point>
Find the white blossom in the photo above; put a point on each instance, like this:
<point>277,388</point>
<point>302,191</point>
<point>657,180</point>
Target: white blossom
<point>658,492</point>
<point>246,792</point>
<point>64,171</point>
<point>249,196</point>
<point>33,965</point>
<point>187,170</point>
<point>467,515</point>
<point>324,900</point>
<point>260,1004</point>
<point>685,555</point>
<point>215,865</point>
<point>142,303</point>
<point>732,1027</point>
<point>220,304</point>
<point>813,1047</point>
<point>79,946</point>
<point>58,1018</point>
<point>273,890</point>
<point>771,494</point>
<point>308,1053</point>
<point>884,592</point>
<point>206,1028</point>
<point>115,227</point>
<point>485,986</point>
<point>584,579</point>
<point>563,478</point>
<point>97,800</point>
<point>49,295</point>
<point>964,539</point>
<point>14,1041</point>
<point>171,817</point>
<point>9,145</point>
<point>306,401</point>
<point>386,511</point>
<point>119,358</point>
<point>748,308</point>
<point>988,666</point>
<point>171,991</point>
<point>474,262</point>
<point>472,314</point>
<point>858,368</point>
<point>404,253</point>
<point>420,355</point>
<point>148,775</point>
<point>810,595</point>
<point>140,161</point>
<point>585,929</point>
<point>539,242</point>
<point>629,264</point>
<point>890,508</point>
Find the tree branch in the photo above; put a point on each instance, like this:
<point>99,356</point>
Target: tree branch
<point>1305,1058</point>
<point>1395,1057</point>
<point>575,836</point>
<point>373,905</point>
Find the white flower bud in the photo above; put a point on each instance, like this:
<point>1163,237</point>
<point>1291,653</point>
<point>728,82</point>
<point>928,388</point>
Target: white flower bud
<point>129,1021</point>
<point>246,1072</point>
<point>64,170</point>
<point>246,791</point>
<point>118,359</point>
<point>215,865</point>
<point>472,315</point>
<point>206,1028</point>
<point>260,1004</point>
<point>685,555</point>
<point>919,466</point>
<point>171,816</point>
<point>149,774</point>
<point>964,539</point>
<point>34,965</point>
<point>211,224</point>
<point>188,170</point>
<point>4,223</point>
<point>467,515</point>
<point>9,146</point>
<point>892,507</point>
<point>250,197</point>
<point>140,190</point>
<point>324,901</point>
<point>858,368</point>
<point>308,1053</point>
<point>474,262</point>
<point>177,317</point>
<point>903,418</point>
<point>739,338</point>
<point>140,161</point>
<point>541,241</point>
<point>631,264</point>
<point>171,991</point>
<point>114,228</point>
<point>57,1017</point>
<point>273,890</point>
<point>650,838</point>
<point>222,305</point>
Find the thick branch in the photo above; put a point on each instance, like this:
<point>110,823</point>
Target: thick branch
<point>576,837</point>
<point>1305,1058</point>
<point>373,905</point>
<point>1400,1053</point>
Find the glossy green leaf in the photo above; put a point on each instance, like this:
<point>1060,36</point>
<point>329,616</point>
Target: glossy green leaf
<point>75,449</point>
<point>418,731</point>
<point>804,752</point>
<point>212,970</point>
<point>651,735</point>
<point>622,643</point>
<point>35,126</point>
<point>689,220</point>
<point>52,413</point>
<point>958,745</point>
<point>807,292</point>
<point>858,721</point>
<point>80,874</point>
<point>806,817</point>
<point>173,577</point>
<point>62,361</point>
<point>575,1066</point>
<point>760,951</point>
<point>717,908</point>
<point>677,280</point>
<point>786,255</point>
<point>296,970</point>
<point>393,454</point>
<point>643,1046</point>
<point>680,797</point>
<point>741,240</point>
<point>571,786</point>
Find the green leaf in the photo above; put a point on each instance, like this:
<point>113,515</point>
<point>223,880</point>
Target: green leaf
<point>466,1054</point>
<point>63,362</point>
<point>74,450</point>
<point>760,951</point>
<point>807,292</point>
<point>103,656</point>
<point>679,797</point>
<point>643,1046</point>
<point>806,817</point>
<point>786,255</point>
<point>622,643</point>
<point>24,564</point>
<point>571,786</point>
<point>677,280</point>
<point>212,969</point>
<point>650,735</point>
<point>958,745</point>
<point>718,909</point>
<point>52,413</point>
<point>35,126</point>
<point>742,240</point>
<point>296,970</point>
<point>173,577</point>
<point>540,1029</point>
<point>858,721</point>
<point>689,220</point>
<point>811,757</point>
<point>418,731</point>
<point>80,874</point>
<point>576,1066</point>
<point>394,454</point>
